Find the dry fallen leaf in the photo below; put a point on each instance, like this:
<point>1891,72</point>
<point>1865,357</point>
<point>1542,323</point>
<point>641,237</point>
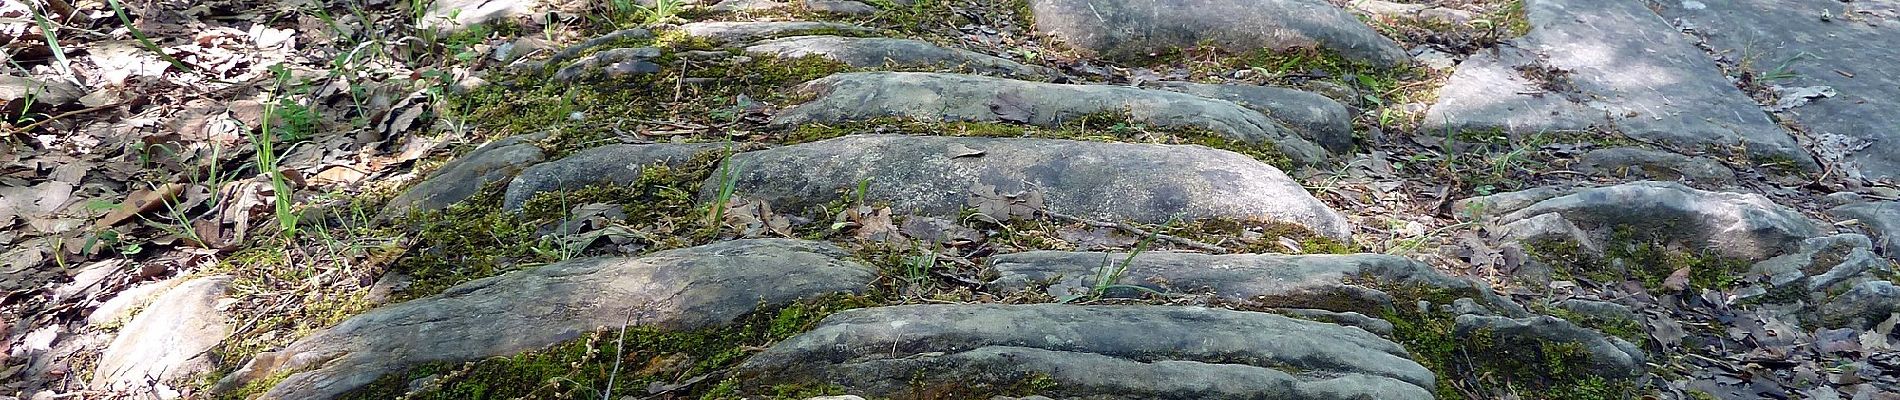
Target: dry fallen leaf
<point>140,202</point>
<point>1677,281</point>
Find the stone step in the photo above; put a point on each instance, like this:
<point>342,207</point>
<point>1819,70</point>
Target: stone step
<point>743,32</point>
<point>952,97</point>
<point>464,176</point>
<point>869,52</point>
<point>1608,65</point>
<point>938,176</point>
<point>1158,352</point>
<point>681,289</point>
<point>1139,28</point>
<point>1339,283</point>
<point>614,164</point>
<point>1321,118</point>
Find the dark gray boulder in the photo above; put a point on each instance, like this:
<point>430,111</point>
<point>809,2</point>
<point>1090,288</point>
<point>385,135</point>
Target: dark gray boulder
<point>1107,352</point>
<point>1317,116</point>
<point>1342,283</point>
<point>462,177</point>
<point>867,52</point>
<point>953,97</point>
<point>1883,218</point>
<point>1854,54</point>
<point>614,164</point>
<point>1608,65</point>
<point>938,176</point>
<point>680,289</point>
<point>1137,28</point>
<point>1609,356</point>
<point>1734,225</point>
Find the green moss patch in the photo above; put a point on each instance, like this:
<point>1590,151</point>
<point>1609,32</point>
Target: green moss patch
<point>1099,127</point>
<point>1640,254</point>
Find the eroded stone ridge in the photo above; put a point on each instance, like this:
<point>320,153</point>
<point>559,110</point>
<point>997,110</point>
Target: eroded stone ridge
<point>1608,65</point>
<point>730,32</point>
<point>891,52</point>
<point>1791,44</point>
<point>1320,117</point>
<point>1734,225</point>
<point>462,177</point>
<point>1331,282</point>
<point>1139,28</point>
<point>1158,352</point>
<point>526,310</point>
<point>937,176</point>
<point>952,97</point>
<point>614,164</point>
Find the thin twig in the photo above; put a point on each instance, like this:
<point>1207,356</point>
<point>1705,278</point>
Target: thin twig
<point>1131,229</point>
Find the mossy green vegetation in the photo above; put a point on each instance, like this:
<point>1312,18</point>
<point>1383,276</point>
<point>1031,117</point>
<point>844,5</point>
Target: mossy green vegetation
<point>582,368</point>
<point>1481,365</point>
<point>1644,255</point>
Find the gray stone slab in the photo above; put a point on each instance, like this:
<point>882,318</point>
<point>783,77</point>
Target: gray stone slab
<point>1328,282</point>
<point>1136,28</point>
<point>936,175</point>
<point>1110,352</point>
<point>614,164</point>
<point>1856,53</point>
<point>526,310</point>
<point>1609,65</point>
<point>730,32</point>
<point>1319,117</point>
<point>955,97</point>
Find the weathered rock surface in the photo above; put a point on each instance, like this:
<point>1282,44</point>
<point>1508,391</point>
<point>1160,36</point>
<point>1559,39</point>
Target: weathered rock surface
<point>1734,225</point>
<point>453,15</point>
<point>572,52</point>
<point>1328,282</point>
<point>1852,53</point>
<point>168,342</point>
<point>1823,264</point>
<point>952,97</point>
<point>614,164</point>
<point>1155,352</point>
<point>867,52</point>
<point>1321,118</point>
<point>1610,356</point>
<point>1883,218</point>
<point>462,177</point>
<point>677,289</point>
<point>1137,28</point>
<point>1627,162</point>
<point>612,63</point>
<point>935,176</point>
<point>1861,306</point>
<point>1607,65</point>
<point>734,32</point>
<point>850,7</point>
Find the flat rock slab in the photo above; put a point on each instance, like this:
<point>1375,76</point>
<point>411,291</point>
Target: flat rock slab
<point>936,176</point>
<point>1345,283</point>
<point>464,176</point>
<point>731,32</point>
<point>953,97</point>
<point>680,289</point>
<point>1856,54</point>
<point>891,52</point>
<point>614,164</point>
<point>1138,28</point>
<point>168,342</point>
<point>1607,65</point>
<point>1151,352</point>
<point>1734,225</point>
<point>1323,119</point>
